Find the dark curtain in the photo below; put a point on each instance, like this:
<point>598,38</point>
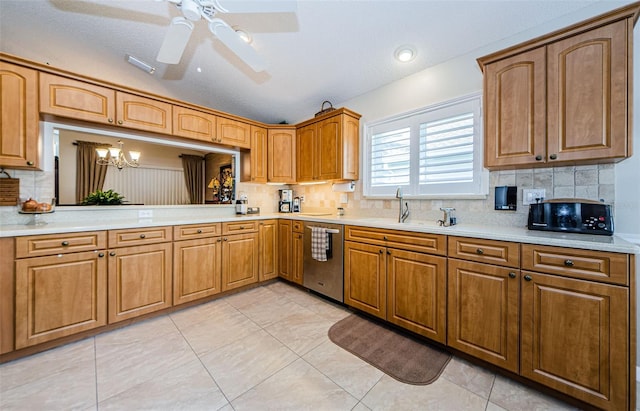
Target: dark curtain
<point>194,177</point>
<point>89,175</point>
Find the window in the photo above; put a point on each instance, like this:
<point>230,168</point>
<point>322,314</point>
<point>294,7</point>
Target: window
<point>435,151</point>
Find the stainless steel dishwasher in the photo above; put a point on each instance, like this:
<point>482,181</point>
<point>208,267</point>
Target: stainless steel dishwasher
<point>325,277</point>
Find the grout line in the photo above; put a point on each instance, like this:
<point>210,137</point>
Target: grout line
<point>95,369</point>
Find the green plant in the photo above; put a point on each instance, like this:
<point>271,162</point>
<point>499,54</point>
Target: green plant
<point>100,197</point>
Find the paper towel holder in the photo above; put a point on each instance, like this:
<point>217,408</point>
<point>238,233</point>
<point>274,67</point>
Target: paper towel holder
<point>347,187</point>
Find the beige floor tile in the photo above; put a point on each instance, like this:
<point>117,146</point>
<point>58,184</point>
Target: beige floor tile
<point>240,366</point>
<point>249,298</point>
<point>299,386</point>
<point>472,377</point>
<point>302,331</point>
<point>71,387</point>
<point>30,369</point>
<point>266,313</point>
<point>345,369</point>
<point>361,407</point>
<point>389,394</point>
<point>188,387</point>
<point>146,330</point>
<point>513,396</point>
<point>199,313</point>
<point>214,333</point>
<point>121,366</point>
<point>493,407</point>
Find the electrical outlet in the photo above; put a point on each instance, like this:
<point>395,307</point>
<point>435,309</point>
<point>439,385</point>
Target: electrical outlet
<point>302,199</point>
<point>529,195</point>
<point>145,214</point>
<point>344,198</point>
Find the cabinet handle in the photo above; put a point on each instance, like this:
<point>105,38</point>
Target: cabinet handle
<point>110,120</point>
<point>242,227</point>
<point>479,251</point>
<point>218,240</point>
<point>384,238</point>
<point>512,275</point>
<point>112,254</point>
<point>388,252</point>
<point>101,255</point>
<point>538,158</point>
<point>65,243</point>
<point>381,251</point>
<point>120,122</point>
<point>528,277</point>
<point>199,231</point>
<point>142,236</point>
<point>553,156</point>
<point>226,239</point>
<point>568,263</point>
<point>30,163</point>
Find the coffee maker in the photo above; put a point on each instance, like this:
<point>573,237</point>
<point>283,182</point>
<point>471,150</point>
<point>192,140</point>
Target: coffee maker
<point>286,200</point>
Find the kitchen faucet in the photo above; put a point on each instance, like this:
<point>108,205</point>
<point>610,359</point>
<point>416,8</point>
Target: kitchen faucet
<point>402,214</point>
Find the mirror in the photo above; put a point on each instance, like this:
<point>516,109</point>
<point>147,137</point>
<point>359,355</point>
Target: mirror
<point>159,179</point>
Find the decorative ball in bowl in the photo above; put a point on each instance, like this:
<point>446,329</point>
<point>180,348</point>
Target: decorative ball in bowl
<point>32,206</point>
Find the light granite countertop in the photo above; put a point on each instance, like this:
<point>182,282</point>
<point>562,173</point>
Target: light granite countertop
<point>72,220</point>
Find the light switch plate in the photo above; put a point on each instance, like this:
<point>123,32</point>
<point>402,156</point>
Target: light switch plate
<point>529,195</point>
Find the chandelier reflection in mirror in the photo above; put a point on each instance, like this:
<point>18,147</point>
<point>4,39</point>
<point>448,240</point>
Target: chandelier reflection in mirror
<point>116,157</point>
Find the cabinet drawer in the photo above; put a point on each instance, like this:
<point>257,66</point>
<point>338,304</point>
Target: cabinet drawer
<point>298,226</point>
<point>485,251</point>
<point>188,232</point>
<point>405,240</point>
<point>586,264</point>
<point>139,236</point>
<point>34,246</point>
<point>239,227</point>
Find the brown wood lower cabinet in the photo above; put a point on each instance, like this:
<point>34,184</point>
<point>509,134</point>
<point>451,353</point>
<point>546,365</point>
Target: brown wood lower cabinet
<point>284,250</point>
<point>297,252</point>
<point>365,278</point>
<point>59,295</point>
<point>239,260</point>
<point>483,304</point>
<point>575,338</point>
<point>196,269</point>
<point>268,241</point>
<point>139,280</point>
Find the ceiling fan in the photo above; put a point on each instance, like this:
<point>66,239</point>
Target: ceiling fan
<point>180,29</point>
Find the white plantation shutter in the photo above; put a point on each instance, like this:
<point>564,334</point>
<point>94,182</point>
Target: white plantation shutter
<point>435,151</point>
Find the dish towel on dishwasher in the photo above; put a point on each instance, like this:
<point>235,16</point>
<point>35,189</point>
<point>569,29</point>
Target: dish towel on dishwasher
<point>319,243</point>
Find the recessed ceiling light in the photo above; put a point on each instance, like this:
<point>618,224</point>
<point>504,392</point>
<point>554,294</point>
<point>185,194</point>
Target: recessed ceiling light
<point>244,36</point>
<point>405,53</point>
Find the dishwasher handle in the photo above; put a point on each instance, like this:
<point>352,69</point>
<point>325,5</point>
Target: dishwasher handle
<point>329,230</point>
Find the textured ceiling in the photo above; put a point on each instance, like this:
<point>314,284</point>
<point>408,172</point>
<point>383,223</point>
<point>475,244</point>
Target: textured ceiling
<point>327,50</point>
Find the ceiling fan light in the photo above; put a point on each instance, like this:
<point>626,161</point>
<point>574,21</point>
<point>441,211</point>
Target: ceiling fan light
<point>405,54</point>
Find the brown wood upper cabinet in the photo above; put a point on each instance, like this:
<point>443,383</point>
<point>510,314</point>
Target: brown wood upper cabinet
<point>327,147</point>
<point>194,124</point>
<point>76,99</point>
<point>254,163</point>
<point>18,120</point>
<point>233,133</point>
<point>281,155</point>
<point>563,98</point>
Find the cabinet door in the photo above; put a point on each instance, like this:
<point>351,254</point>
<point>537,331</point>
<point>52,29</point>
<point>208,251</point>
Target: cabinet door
<point>305,147</point>
<point>259,155</point>
<point>588,85</point>
<point>365,278</point>
<point>194,124</point>
<point>143,113</point>
<point>139,280</point>
<point>575,338</point>
<point>196,269</point>
<point>19,117</point>
<point>297,248</point>
<point>233,133</point>
<point>282,161</point>
<point>350,148</point>
<point>328,154</point>
<point>239,260</point>
<point>285,263</point>
<point>268,233</point>
<point>483,312</point>
<point>515,110</point>
<point>417,293</point>
<point>65,97</point>
<point>59,295</point>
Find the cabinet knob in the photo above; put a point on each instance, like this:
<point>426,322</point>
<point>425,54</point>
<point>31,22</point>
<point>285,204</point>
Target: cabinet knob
<point>479,251</point>
<point>538,158</point>
<point>101,255</point>
<point>110,120</point>
<point>226,239</point>
<point>388,252</point>
<point>512,275</point>
<point>112,254</point>
<point>242,227</point>
<point>120,122</point>
<point>553,156</point>
<point>142,236</point>
<point>528,277</point>
<point>199,231</point>
<point>65,243</point>
<point>218,240</point>
<point>381,251</point>
<point>30,163</point>
<point>568,263</point>
<point>384,238</point>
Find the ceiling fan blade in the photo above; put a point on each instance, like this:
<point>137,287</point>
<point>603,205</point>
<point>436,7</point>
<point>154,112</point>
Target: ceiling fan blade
<point>232,40</point>
<point>253,6</point>
<point>175,41</point>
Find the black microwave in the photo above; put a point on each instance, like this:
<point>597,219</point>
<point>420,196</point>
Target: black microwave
<point>571,216</point>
